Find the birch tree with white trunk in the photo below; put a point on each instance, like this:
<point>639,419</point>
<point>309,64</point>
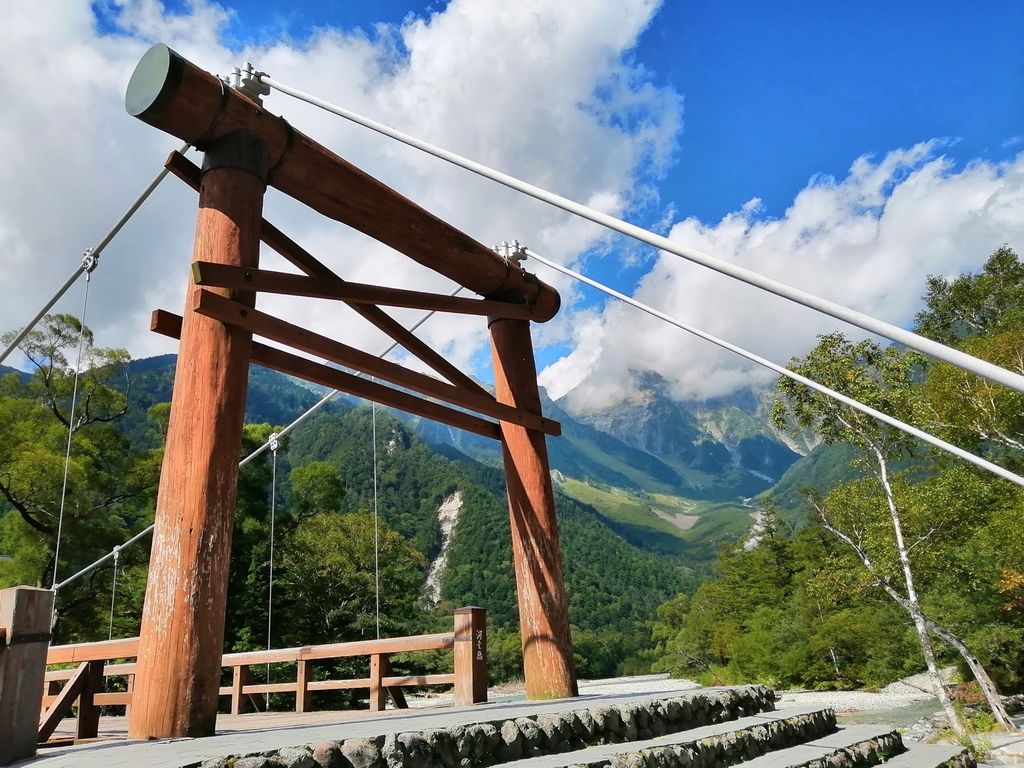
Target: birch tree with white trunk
<point>890,536</point>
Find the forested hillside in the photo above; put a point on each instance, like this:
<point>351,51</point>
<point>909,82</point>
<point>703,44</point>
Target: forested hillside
<point>789,602</point>
<point>324,497</point>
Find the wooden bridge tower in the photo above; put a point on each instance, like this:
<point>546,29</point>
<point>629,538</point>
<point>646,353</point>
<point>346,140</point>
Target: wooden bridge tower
<point>248,149</point>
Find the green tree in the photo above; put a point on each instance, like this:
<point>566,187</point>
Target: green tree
<point>109,486</point>
<point>988,303</point>
<point>883,378</point>
<point>327,578</point>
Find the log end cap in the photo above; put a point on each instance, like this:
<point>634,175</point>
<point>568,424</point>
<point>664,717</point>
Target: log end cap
<point>154,81</point>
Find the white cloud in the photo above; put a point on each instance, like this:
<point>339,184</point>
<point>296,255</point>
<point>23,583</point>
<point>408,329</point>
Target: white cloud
<point>535,88</point>
<point>867,240</point>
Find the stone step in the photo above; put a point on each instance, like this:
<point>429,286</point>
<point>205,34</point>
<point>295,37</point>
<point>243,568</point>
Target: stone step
<point>933,756</point>
<point>853,746</point>
<point>490,734</point>
<point>720,744</point>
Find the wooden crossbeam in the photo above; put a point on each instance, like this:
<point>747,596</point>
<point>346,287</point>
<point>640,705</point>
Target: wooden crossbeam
<point>189,173</point>
<point>267,281</point>
<point>169,324</point>
<point>261,324</point>
<point>176,96</point>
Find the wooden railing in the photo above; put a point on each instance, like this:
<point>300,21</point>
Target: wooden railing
<point>85,682</point>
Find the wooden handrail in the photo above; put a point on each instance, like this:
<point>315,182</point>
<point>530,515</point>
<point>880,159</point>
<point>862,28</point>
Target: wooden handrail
<point>104,650</point>
<point>468,678</point>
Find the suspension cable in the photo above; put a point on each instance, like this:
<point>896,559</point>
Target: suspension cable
<point>94,253</point>
<point>305,415</point>
<point>113,592</point>
<point>376,516</point>
<point>782,371</point>
<point>274,445</point>
<point>71,425</point>
<point>763,282</point>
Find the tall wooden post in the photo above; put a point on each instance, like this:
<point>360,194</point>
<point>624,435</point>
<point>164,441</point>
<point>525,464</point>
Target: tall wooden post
<point>25,614</point>
<point>179,662</point>
<point>543,608</point>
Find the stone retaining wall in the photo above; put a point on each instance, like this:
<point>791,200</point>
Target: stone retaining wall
<point>731,748</point>
<point>482,744</point>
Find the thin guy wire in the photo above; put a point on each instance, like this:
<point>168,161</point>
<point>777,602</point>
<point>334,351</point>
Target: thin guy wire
<point>94,252</point>
<point>113,593</point>
<point>309,411</point>
<point>782,371</point>
<point>273,515</point>
<point>791,293</point>
<point>71,432</point>
<point>376,527</point>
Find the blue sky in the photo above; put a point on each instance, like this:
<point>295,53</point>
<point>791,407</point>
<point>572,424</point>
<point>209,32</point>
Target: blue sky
<point>778,92</point>
<point>778,102</point>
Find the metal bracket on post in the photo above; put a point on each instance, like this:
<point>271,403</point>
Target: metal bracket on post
<point>246,80</point>
<point>514,252</point>
<point>242,150</point>
<point>89,262</point>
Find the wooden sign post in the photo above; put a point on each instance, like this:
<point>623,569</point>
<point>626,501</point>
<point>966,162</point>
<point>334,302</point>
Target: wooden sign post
<point>178,673</point>
<point>540,586</point>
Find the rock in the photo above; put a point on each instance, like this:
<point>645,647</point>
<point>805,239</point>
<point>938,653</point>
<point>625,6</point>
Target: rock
<point>512,741</point>
<point>628,760</point>
<point>613,724</point>
<point>296,757</point>
<point>391,752</point>
<point>442,746</point>
<point>361,753</point>
<point>551,725</point>
<point>673,710</point>
<point>417,750</point>
<point>327,754</point>
<point>628,713</point>
<point>257,762</point>
<point>215,762</point>
<point>488,739</point>
<point>584,725</point>
<point>533,736</point>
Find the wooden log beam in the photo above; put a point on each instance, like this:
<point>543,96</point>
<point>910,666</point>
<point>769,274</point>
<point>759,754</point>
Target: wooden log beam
<point>169,324</point>
<point>288,284</point>
<point>174,95</point>
<point>537,557</point>
<point>182,635</point>
<point>261,324</point>
<point>294,253</point>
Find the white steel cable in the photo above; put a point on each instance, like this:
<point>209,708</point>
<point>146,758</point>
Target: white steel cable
<point>838,311</point>
<point>782,371</point>
<point>309,412</point>
<point>91,257</point>
<point>71,432</point>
